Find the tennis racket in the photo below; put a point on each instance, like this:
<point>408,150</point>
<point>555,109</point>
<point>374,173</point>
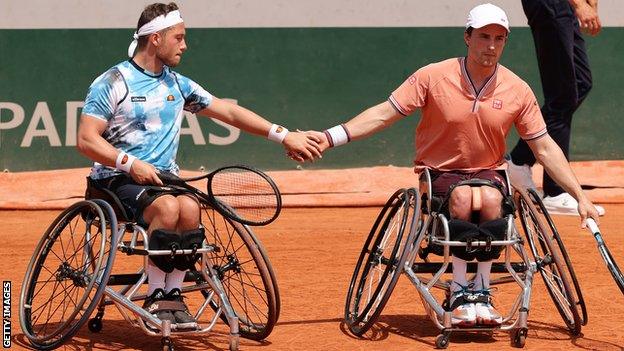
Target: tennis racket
<point>606,255</point>
<point>241,193</point>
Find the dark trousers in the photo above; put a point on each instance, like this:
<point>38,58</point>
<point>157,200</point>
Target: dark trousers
<point>564,71</point>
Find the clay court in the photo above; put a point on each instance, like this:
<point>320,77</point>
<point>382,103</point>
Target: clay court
<point>313,251</point>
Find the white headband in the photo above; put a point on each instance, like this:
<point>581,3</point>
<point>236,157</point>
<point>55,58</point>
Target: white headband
<point>157,24</point>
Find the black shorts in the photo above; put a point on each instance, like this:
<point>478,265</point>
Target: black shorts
<point>135,197</point>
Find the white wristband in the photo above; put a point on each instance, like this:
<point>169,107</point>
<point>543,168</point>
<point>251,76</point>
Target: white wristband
<point>277,133</point>
<point>337,135</point>
<point>124,162</point>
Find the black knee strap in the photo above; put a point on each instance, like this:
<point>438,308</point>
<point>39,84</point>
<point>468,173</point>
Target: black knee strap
<point>468,232</point>
<point>464,231</point>
<point>162,239</point>
<point>190,239</point>
<point>497,231</point>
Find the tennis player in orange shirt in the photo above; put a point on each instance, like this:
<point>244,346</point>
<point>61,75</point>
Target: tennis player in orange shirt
<point>468,105</point>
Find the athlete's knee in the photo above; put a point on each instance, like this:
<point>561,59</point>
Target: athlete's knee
<point>491,197</point>
<point>491,200</point>
<point>189,213</point>
<point>460,202</point>
<point>165,209</point>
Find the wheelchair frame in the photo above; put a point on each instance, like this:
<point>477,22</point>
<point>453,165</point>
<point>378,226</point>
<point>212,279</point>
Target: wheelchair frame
<point>91,273</point>
<point>366,298</point>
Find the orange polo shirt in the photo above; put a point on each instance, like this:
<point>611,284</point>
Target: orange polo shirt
<point>462,129</point>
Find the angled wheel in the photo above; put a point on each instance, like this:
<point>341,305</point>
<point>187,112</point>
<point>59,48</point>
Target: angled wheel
<point>559,247</point>
<point>552,266</point>
<point>246,274</point>
<point>63,282</point>
<point>381,261</point>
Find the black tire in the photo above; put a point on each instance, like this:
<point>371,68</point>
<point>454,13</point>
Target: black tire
<point>63,282</point>
<point>518,337</point>
<point>267,261</point>
<point>95,325</point>
<point>562,252</point>
<point>384,255</point>
<point>551,265</point>
<point>244,271</point>
<point>442,341</point>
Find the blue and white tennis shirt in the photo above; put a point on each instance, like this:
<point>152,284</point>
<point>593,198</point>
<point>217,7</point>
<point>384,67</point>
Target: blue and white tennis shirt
<point>144,112</point>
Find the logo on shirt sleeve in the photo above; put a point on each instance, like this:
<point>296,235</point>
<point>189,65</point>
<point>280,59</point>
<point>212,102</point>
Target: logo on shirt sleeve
<point>170,98</point>
<point>138,99</point>
<point>411,79</point>
<point>497,104</point>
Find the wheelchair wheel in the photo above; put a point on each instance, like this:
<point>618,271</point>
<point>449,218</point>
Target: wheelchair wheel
<point>381,261</point>
<point>246,274</point>
<point>64,279</point>
<point>552,266</point>
<point>562,252</point>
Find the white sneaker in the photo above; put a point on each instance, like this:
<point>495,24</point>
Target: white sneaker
<point>463,309</point>
<point>520,176</point>
<point>487,315</point>
<point>565,204</point>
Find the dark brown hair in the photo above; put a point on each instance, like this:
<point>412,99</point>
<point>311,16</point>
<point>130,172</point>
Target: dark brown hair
<point>149,13</point>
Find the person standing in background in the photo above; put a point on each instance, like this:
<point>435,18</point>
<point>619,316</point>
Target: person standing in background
<point>566,80</point>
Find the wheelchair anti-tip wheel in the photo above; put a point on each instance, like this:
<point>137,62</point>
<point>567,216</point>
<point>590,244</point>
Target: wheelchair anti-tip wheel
<point>554,268</point>
<point>381,261</point>
<point>67,275</point>
<point>245,272</point>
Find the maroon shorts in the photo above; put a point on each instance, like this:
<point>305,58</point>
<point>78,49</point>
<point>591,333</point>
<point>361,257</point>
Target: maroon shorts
<point>442,181</point>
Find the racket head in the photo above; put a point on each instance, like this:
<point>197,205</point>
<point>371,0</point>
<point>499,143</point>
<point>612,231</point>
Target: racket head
<point>244,194</point>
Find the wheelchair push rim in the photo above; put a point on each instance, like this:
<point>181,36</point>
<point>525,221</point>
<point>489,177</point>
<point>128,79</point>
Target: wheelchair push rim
<point>72,260</point>
<point>245,273</point>
<point>553,268</point>
<point>563,253</point>
<point>382,256</point>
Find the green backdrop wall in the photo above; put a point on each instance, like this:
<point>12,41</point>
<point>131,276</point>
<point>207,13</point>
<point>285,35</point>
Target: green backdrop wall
<point>302,78</point>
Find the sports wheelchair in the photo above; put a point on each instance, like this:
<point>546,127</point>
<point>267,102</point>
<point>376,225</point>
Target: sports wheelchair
<point>69,275</point>
<point>411,235</point>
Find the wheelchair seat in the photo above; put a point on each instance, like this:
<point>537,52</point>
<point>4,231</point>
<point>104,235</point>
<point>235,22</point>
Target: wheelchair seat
<point>439,205</point>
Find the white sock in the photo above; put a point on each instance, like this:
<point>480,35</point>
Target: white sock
<point>482,280</point>
<point>174,280</point>
<point>155,276</point>
<point>459,274</point>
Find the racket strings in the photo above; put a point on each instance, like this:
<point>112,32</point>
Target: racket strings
<point>250,195</point>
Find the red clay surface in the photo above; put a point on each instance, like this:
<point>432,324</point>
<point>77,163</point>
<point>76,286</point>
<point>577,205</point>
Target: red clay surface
<point>313,251</point>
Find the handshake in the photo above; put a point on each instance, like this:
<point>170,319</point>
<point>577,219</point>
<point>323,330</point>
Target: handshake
<point>304,146</point>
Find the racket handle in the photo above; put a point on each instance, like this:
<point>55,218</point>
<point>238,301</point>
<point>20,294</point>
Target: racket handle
<point>592,226</point>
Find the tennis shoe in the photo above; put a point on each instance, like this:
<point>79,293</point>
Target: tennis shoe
<point>463,310</point>
<point>183,318</point>
<point>565,204</point>
<point>487,315</point>
<point>154,305</point>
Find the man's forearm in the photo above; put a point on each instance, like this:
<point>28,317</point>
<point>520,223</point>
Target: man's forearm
<point>557,166</point>
<point>372,120</point>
